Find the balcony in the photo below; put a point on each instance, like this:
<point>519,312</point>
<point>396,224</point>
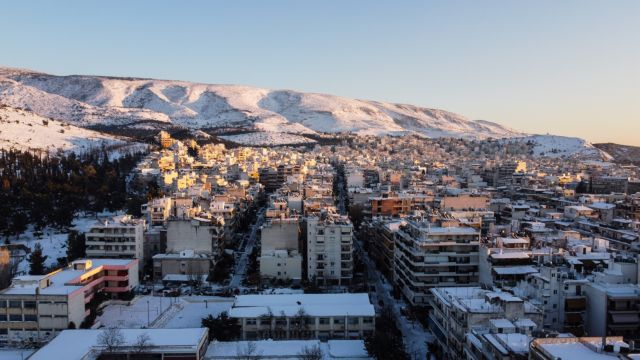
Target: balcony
<point>116,289</point>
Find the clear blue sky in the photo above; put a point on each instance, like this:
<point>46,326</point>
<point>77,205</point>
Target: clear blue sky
<point>564,67</point>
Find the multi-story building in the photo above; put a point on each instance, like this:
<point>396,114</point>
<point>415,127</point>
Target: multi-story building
<point>561,296</point>
<point>429,256</point>
<point>579,348</point>
<point>329,248</point>
<point>455,311</point>
<point>280,256</point>
<point>614,307</point>
<point>304,316</point>
<point>40,306</point>
<point>157,211</point>
<point>198,234</point>
<point>121,237</point>
<point>379,235</point>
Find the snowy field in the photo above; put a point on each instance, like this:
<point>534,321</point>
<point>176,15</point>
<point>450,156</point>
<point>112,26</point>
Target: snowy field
<point>267,138</point>
<point>164,312</point>
<point>26,131</point>
<point>53,241</point>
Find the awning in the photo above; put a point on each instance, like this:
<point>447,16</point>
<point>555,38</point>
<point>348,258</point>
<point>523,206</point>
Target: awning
<point>625,318</point>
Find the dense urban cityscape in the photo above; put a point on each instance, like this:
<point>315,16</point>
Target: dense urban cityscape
<point>365,247</point>
<point>320,180</point>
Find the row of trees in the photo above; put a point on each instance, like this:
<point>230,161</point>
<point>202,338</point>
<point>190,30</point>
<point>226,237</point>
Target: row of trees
<point>49,191</point>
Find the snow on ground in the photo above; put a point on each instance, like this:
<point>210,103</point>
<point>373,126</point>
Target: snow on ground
<point>194,308</point>
<point>24,130</point>
<point>163,312</point>
<point>53,241</point>
<point>555,146</point>
<point>267,139</point>
<point>15,354</point>
<point>142,311</point>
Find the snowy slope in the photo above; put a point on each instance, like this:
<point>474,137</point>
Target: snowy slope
<point>555,146</point>
<point>93,100</point>
<point>24,130</point>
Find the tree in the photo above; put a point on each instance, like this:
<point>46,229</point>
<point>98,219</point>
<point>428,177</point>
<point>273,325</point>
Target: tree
<point>19,222</point>
<point>36,260</point>
<point>386,342</point>
<point>311,353</point>
<point>142,344</point>
<point>222,327</point>
<point>110,339</point>
<point>76,246</point>
<point>248,352</point>
<point>300,324</point>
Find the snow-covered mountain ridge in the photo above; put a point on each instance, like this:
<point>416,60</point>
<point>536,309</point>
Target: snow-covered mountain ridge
<point>133,102</point>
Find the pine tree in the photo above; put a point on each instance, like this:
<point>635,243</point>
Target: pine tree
<point>36,261</point>
<point>76,247</point>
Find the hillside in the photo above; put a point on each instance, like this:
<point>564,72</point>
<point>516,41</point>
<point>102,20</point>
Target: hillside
<point>623,154</point>
<point>90,101</point>
<point>24,130</point>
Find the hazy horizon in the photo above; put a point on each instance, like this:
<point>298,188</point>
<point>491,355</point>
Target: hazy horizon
<point>565,68</point>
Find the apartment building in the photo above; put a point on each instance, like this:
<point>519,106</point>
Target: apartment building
<point>329,248</point>
<point>120,237</point>
<point>157,211</point>
<point>579,348</point>
<point>429,256</point>
<point>455,311</point>
<point>379,235</point>
<point>280,257</point>
<point>40,306</point>
<point>614,307</point>
<point>304,316</point>
<point>201,235</point>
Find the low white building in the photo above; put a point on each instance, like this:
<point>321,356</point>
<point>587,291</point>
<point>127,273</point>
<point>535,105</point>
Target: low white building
<point>304,316</point>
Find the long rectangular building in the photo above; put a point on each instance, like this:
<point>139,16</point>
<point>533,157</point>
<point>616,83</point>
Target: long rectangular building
<point>304,316</point>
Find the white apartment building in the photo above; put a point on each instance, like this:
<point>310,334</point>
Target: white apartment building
<point>120,237</point>
<point>280,256</point>
<point>457,310</point>
<point>429,256</point>
<point>329,242</point>
<point>304,316</point>
<point>157,211</point>
<point>197,234</point>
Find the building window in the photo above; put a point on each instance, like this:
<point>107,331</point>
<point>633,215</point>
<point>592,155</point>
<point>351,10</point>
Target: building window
<point>250,321</point>
<point>3,317</point>
<point>338,321</point>
<point>15,304</point>
<point>13,317</point>
<point>367,320</point>
<point>30,304</point>
<point>323,321</point>
<point>4,331</point>
<point>30,318</point>
<point>353,321</point>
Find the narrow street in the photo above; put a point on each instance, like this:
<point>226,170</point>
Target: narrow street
<point>414,335</point>
<point>240,269</point>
